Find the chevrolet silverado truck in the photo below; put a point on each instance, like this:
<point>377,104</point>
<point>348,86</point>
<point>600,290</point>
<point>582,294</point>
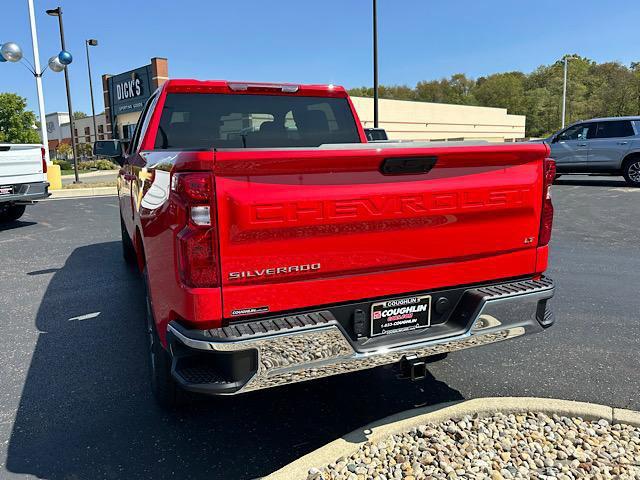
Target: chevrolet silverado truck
<point>278,246</point>
<point>23,178</point>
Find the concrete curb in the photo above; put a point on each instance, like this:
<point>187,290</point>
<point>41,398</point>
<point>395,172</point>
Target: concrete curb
<point>83,192</point>
<point>404,421</point>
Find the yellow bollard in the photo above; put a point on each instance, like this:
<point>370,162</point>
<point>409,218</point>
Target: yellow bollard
<point>54,177</point>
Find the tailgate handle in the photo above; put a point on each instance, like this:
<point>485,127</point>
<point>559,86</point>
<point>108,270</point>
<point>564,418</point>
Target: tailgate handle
<point>407,165</point>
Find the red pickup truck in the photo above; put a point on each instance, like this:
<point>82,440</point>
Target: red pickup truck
<point>278,245</point>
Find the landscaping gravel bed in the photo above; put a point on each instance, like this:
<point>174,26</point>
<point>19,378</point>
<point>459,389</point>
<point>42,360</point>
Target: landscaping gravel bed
<point>531,445</point>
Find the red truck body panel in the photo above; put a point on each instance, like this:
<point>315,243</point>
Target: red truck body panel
<point>302,228</point>
<point>361,234</point>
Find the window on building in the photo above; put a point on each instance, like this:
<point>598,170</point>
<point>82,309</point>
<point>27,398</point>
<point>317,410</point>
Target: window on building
<point>100,128</point>
<point>87,131</point>
<point>75,132</point>
<point>101,137</point>
<point>87,139</point>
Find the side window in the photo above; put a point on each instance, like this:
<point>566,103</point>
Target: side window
<point>615,129</point>
<point>577,132</point>
<point>141,126</point>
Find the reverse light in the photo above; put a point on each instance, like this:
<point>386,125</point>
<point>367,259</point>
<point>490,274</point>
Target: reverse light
<point>546,218</point>
<point>201,215</point>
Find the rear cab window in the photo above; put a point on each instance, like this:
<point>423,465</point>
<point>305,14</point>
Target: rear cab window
<point>205,121</point>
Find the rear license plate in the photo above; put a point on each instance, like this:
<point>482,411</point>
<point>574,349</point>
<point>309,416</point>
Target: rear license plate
<point>400,315</point>
<point>6,189</point>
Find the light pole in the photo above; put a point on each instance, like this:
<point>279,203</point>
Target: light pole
<point>11,52</point>
<point>375,63</point>
<point>38,76</point>
<point>564,90</point>
<point>57,12</point>
<point>91,42</point>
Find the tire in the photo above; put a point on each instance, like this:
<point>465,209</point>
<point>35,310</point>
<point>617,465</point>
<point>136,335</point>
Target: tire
<point>11,213</point>
<point>166,391</point>
<point>128,250</point>
<point>631,171</point>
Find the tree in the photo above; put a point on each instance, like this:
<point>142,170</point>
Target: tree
<point>65,150</point>
<point>16,122</point>
<point>84,149</point>
<point>593,90</point>
<point>78,115</point>
<point>504,90</point>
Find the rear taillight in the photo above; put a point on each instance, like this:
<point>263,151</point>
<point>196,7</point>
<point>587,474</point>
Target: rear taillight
<point>546,219</point>
<point>44,159</point>
<point>197,240</point>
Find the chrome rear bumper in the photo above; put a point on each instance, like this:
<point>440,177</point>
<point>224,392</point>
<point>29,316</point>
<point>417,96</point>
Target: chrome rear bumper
<point>316,345</point>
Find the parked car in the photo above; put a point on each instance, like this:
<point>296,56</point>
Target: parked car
<point>600,145</point>
<point>23,178</point>
<point>278,245</point>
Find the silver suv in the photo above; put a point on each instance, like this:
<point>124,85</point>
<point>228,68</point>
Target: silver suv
<point>600,145</point>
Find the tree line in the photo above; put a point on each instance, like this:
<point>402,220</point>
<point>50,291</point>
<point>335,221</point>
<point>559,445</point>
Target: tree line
<point>594,89</point>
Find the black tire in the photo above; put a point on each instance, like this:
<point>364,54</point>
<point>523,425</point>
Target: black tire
<point>11,213</point>
<point>631,171</point>
<point>128,250</point>
<point>166,391</point>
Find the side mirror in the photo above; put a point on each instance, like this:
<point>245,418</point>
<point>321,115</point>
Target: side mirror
<point>109,148</point>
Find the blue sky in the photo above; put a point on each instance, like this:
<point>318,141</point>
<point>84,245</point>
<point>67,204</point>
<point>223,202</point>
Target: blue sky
<point>313,42</point>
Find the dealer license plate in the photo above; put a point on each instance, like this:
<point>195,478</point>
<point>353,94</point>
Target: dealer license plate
<point>400,315</point>
<point>6,189</point>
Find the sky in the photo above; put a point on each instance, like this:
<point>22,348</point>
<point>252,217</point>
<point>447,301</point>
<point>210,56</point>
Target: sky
<point>311,42</point>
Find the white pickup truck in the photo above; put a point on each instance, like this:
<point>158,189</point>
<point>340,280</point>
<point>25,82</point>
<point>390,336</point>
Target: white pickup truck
<point>23,178</point>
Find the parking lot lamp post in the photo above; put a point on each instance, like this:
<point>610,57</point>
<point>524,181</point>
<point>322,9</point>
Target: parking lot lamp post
<point>57,12</point>
<point>91,42</point>
<point>375,63</point>
<point>564,91</point>
<point>38,76</point>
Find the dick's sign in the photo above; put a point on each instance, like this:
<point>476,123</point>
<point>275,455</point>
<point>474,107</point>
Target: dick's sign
<point>129,91</point>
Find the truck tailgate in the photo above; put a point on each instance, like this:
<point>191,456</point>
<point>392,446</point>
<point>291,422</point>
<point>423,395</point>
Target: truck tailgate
<point>20,164</point>
<point>303,228</point>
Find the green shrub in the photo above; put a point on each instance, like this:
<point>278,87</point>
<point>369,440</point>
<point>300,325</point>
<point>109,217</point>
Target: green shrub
<point>64,164</point>
<point>97,165</point>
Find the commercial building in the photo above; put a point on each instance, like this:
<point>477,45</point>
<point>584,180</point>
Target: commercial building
<point>126,93</point>
<point>59,129</point>
<point>407,120</point>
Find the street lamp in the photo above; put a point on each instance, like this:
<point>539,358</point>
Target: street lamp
<point>375,63</point>
<point>11,52</point>
<point>57,12</point>
<point>93,43</point>
<point>564,90</point>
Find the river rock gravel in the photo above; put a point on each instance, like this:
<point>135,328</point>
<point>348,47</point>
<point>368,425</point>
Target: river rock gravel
<point>528,445</point>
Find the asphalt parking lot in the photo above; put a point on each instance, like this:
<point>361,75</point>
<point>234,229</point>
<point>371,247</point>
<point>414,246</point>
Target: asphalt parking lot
<point>74,399</point>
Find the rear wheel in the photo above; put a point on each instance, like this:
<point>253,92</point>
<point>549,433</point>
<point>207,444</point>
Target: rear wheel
<point>166,391</point>
<point>11,213</point>
<point>631,171</point>
<point>128,250</point>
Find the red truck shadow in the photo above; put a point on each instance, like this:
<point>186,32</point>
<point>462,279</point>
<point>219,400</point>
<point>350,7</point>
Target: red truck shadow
<point>86,410</point>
